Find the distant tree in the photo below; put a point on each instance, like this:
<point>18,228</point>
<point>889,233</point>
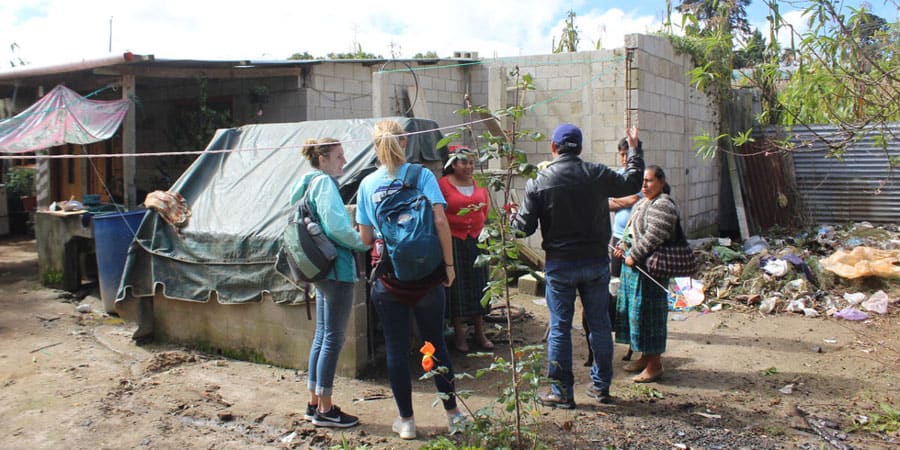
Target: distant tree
<point>846,72</point>
<point>752,53</point>
<point>358,54</point>
<point>568,40</point>
<point>869,32</point>
<point>427,55</point>
<point>706,10</point>
<point>842,70</point>
<point>301,57</point>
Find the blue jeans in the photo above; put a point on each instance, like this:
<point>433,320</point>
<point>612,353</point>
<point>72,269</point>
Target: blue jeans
<point>590,279</point>
<point>334,300</point>
<point>395,322</point>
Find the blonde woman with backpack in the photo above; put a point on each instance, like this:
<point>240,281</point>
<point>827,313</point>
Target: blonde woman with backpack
<point>397,301</point>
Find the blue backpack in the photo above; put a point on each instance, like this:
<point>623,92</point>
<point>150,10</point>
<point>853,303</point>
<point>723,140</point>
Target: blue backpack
<point>406,221</point>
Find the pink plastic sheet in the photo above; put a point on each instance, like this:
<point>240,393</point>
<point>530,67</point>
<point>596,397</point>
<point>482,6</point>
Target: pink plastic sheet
<point>62,116</point>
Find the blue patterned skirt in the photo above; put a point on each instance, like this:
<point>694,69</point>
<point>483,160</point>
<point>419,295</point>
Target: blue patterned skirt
<point>641,313</point>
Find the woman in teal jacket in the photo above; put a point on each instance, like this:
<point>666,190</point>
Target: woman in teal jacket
<point>334,295</point>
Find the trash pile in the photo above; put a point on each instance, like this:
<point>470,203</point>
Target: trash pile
<point>848,272</point>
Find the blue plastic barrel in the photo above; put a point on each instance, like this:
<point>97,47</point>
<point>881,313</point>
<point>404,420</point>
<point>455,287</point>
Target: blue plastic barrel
<point>113,234</point>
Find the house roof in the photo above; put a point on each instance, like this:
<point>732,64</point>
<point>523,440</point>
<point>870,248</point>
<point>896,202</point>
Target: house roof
<point>92,74</point>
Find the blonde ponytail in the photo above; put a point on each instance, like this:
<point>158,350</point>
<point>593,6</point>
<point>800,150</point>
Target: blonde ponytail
<point>387,145</point>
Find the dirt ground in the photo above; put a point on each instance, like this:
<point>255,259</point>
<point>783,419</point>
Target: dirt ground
<point>733,380</point>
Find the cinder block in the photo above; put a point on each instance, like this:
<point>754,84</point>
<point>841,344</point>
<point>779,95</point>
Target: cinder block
<point>334,85</point>
<point>530,285</point>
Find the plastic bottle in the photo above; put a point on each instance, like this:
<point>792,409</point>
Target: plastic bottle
<point>314,229</point>
<point>321,240</point>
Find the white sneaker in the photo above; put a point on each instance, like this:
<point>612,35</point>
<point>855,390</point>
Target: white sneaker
<point>457,423</point>
<point>405,428</point>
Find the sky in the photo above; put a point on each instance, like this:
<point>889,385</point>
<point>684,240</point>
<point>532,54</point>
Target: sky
<point>48,32</point>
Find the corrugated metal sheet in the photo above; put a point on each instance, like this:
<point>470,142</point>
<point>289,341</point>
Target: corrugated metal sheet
<point>764,179</point>
<point>859,186</point>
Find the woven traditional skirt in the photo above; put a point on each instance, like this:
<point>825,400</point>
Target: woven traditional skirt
<point>464,296</point>
<point>641,313</point>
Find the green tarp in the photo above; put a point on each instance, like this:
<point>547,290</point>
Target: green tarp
<point>240,204</point>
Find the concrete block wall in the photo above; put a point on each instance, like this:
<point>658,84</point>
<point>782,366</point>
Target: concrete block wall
<point>433,88</point>
<point>589,89</point>
<point>444,91</point>
<point>584,88</point>
<point>339,90</point>
<point>669,113</point>
<point>277,334</point>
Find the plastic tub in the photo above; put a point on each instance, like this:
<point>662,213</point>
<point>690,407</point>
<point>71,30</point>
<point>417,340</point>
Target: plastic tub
<point>113,234</point>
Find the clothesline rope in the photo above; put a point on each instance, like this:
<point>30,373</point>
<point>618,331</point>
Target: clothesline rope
<point>232,150</point>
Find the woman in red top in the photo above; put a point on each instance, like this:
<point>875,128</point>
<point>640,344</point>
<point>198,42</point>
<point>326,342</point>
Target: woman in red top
<point>464,295</point>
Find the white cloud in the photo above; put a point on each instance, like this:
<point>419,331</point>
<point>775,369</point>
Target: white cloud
<point>60,31</point>
<point>798,26</point>
<point>610,28</point>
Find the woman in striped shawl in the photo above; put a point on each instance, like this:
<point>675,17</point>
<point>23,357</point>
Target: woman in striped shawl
<point>642,305</point>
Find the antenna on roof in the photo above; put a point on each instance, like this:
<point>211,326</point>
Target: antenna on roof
<point>110,34</point>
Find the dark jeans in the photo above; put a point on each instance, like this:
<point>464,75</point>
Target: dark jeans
<point>395,322</point>
<point>590,279</point>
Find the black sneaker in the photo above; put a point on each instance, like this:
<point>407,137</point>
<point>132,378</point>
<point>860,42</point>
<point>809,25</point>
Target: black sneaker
<point>555,401</point>
<point>334,418</point>
<point>601,395</point>
<point>310,412</point>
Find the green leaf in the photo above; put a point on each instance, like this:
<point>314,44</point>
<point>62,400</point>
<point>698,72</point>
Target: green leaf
<point>447,139</point>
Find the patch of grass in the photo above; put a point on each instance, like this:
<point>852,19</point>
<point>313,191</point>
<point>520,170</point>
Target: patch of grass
<point>444,443</point>
<point>243,355</point>
<point>885,421</point>
<point>345,445</point>
<point>648,392</point>
<point>770,371</point>
<point>52,278</point>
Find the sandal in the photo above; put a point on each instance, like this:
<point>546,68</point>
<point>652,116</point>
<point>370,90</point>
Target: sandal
<point>650,379</point>
<point>462,347</point>
<point>485,343</point>
<point>635,366</point>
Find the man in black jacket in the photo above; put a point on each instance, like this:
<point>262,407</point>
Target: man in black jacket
<point>570,200</point>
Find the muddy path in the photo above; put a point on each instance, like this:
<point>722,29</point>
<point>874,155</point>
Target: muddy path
<point>733,380</point>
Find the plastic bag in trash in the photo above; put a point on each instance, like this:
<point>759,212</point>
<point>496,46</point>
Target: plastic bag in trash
<point>768,305</point>
<point>725,254</point>
<point>854,298</point>
<point>851,313</point>
<point>776,267</point>
<point>754,245</point>
<point>825,232</point>
<point>877,303</point>
<point>688,293</point>
<point>796,305</point>
<point>863,262</point>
